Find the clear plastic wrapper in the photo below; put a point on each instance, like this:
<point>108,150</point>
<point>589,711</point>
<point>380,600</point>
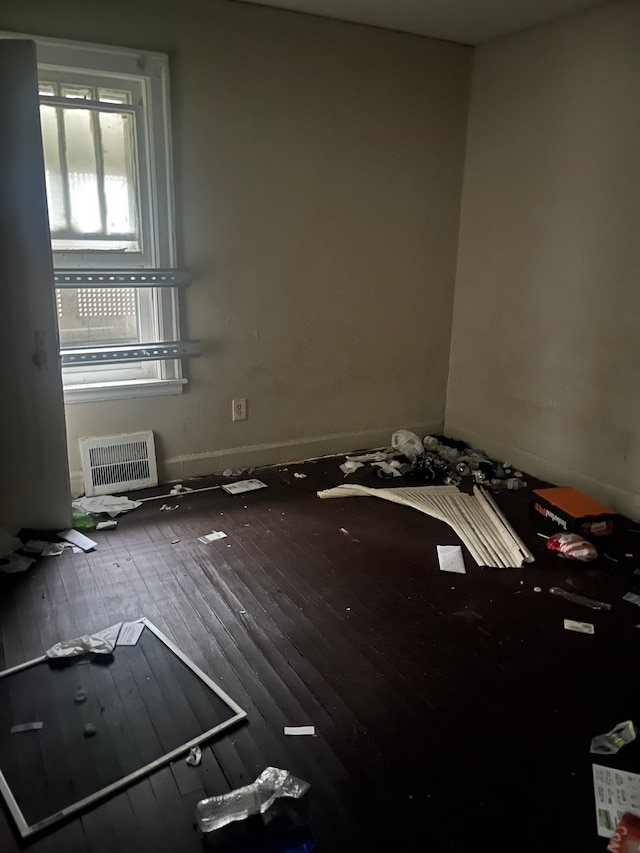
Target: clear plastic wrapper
<point>592,603</point>
<point>408,443</point>
<point>572,546</point>
<point>216,812</point>
<point>611,742</point>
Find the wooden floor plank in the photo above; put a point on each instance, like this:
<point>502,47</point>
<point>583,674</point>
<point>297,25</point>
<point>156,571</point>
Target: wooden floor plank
<point>442,703</point>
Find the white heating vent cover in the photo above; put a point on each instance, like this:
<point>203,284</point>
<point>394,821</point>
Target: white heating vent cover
<point>116,463</point>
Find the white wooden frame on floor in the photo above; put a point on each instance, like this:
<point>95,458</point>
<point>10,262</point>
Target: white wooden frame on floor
<point>27,830</point>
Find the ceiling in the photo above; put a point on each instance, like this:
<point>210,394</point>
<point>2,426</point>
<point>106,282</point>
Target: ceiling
<point>466,21</point>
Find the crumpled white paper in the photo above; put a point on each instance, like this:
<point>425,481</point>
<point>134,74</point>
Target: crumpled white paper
<point>112,505</point>
<point>101,643</point>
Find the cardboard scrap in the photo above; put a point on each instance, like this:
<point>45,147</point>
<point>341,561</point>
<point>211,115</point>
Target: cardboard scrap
<point>243,486</point>
<point>300,730</point>
<point>580,627</point>
<point>211,537</point>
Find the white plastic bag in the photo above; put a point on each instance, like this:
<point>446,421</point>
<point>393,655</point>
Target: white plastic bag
<point>408,443</point>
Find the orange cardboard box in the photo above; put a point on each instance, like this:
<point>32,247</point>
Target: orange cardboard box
<point>568,509</point>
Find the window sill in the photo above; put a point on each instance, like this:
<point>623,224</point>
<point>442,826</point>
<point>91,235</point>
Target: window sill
<point>98,392</point>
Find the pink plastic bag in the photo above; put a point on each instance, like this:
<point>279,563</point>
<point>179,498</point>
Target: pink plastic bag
<point>573,547</point>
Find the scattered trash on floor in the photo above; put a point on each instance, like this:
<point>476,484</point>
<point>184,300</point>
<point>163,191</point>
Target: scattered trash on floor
<point>611,742</point>
<point>375,456</point>
<point>572,547</point>
<point>632,598</point>
<point>211,537</point>
<point>580,627</point>
<point>233,472</point>
<point>89,730</point>
<point>45,549</point>
<point>435,460</point>
<point>129,633</point>
<point>451,559</point>
<point>179,489</point>
<point>408,444</point>
<point>166,508</point>
<point>350,467</point>
<point>107,525</point>
<point>174,541</point>
<point>475,518</point>
<point>216,812</point>
<point>14,563</point>
<point>580,599</point>
<point>611,559</point>
<point>100,643</point>
<point>111,505</point>
<point>299,476</point>
<point>613,790</point>
<point>80,696</point>
<point>78,539</point>
<point>243,486</point>
<point>626,837</point>
<point>388,469</point>
<point>195,756</point>
<point>301,730</point>
<point>537,589</point>
<point>25,727</point>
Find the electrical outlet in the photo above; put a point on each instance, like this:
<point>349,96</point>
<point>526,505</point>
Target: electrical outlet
<point>239,409</point>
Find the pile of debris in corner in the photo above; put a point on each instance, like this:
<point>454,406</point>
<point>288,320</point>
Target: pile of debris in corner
<point>435,460</point>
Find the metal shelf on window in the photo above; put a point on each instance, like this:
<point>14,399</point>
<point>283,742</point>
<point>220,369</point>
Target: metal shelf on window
<point>160,351</point>
<point>121,278</point>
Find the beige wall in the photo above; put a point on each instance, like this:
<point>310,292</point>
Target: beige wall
<point>318,172</point>
<point>545,353</point>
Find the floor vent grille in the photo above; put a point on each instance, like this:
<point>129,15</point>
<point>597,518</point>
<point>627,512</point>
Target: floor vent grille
<point>117,463</point>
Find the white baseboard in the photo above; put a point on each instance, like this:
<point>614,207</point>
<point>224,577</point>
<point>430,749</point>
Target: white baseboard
<point>620,500</point>
<point>271,453</point>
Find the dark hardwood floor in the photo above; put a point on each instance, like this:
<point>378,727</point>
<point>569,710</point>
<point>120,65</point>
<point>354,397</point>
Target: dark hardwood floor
<point>453,713</point>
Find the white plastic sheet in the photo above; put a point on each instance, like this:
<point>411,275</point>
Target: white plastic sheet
<point>101,643</point>
<point>111,505</point>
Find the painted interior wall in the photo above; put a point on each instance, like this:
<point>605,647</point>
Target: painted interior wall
<point>545,353</point>
<point>318,170</point>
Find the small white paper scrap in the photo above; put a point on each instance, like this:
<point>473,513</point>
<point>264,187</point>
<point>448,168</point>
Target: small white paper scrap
<point>195,756</point>
<point>78,539</point>
<point>107,525</point>
<point>211,537</point>
<point>616,792</point>
<point>130,633</point>
<point>243,486</point>
<point>300,730</point>
<point>632,597</point>
<point>25,727</point>
<point>580,627</point>
<point>451,559</point>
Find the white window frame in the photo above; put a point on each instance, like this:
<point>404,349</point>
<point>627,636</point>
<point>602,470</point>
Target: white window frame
<point>160,306</point>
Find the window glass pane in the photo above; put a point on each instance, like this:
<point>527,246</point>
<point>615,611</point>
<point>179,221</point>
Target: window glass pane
<point>47,88</point>
<point>119,178</point>
<point>84,92</point>
<point>114,96</point>
<point>82,172</point>
<point>91,315</point>
<point>53,173</point>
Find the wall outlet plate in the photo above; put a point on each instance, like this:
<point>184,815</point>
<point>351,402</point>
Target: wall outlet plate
<point>239,409</point>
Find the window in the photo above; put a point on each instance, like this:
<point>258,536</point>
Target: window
<point>106,142</point>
